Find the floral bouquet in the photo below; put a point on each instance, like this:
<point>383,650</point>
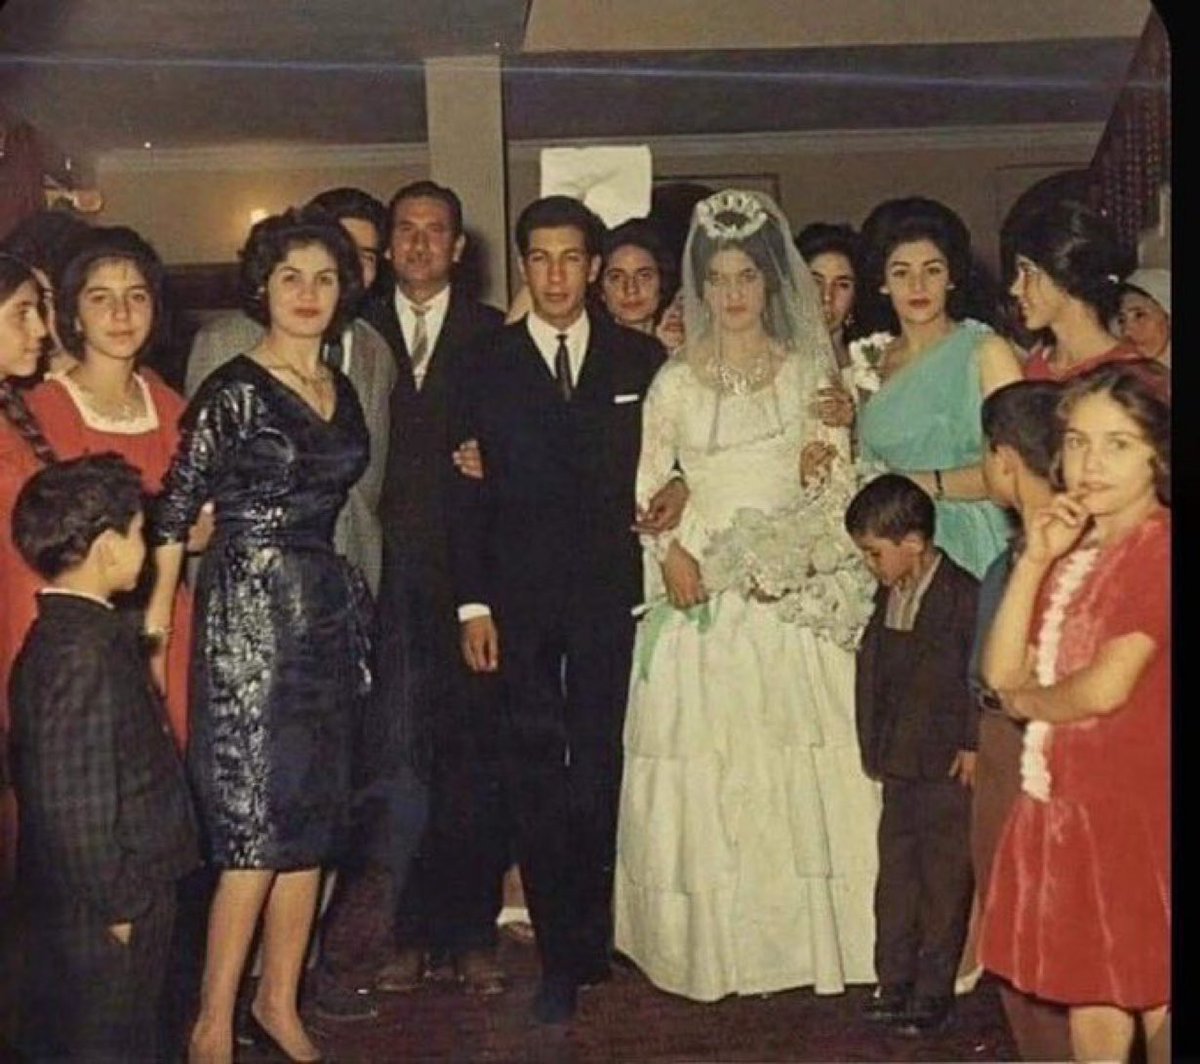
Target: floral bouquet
<point>803,559</point>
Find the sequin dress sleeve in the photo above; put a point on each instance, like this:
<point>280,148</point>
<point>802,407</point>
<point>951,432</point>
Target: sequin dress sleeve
<point>215,422</point>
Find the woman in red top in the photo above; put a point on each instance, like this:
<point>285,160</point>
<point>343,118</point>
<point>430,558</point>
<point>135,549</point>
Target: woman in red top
<point>1079,906</point>
<point>23,450</point>
<point>108,301</point>
<point>1067,263</point>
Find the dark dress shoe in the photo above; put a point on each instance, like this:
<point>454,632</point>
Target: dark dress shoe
<point>889,1004</point>
<point>342,1004</point>
<point>593,974</point>
<point>403,973</point>
<point>926,1015</point>
<point>479,973</point>
<point>554,1001</point>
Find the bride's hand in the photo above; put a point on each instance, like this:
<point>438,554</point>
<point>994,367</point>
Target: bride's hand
<point>815,459</point>
<point>681,574</point>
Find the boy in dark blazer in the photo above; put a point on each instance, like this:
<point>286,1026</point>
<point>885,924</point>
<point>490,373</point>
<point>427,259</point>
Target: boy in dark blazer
<point>917,727</point>
<point>106,825</point>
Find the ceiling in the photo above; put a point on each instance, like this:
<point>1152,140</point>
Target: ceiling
<point>94,75</point>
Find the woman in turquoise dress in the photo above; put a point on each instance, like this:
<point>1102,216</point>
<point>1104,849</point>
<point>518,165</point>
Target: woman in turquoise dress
<point>930,372</point>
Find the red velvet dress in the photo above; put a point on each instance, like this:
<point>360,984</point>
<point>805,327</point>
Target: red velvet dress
<point>149,445</point>
<point>18,585</point>
<point>1079,906</point>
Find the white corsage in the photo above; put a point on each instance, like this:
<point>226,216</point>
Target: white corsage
<point>866,356</point>
<point>1035,767</point>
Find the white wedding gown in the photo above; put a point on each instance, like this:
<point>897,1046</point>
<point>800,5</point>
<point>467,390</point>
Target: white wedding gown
<point>746,840</point>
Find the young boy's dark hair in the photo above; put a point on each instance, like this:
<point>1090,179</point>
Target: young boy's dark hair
<point>916,725</point>
<point>61,511</point>
<point>105,816</point>
<point>1024,416</point>
<point>890,507</point>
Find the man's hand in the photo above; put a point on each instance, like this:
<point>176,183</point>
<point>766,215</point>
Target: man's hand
<point>480,644</point>
<point>664,511</point>
<point>121,932</point>
<point>670,331</point>
<point>681,574</point>
<point>468,459</point>
<point>962,768</point>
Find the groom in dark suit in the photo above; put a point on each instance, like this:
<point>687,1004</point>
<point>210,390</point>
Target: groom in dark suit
<point>432,737</point>
<point>546,572</point>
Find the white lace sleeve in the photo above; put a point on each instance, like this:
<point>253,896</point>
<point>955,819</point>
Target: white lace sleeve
<point>662,416</point>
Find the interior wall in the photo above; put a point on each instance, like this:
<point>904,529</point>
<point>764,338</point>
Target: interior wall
<point>980,183</point>
<point>199,212</point>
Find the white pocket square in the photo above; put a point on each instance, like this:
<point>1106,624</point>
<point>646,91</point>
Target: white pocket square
<point>627,397</point>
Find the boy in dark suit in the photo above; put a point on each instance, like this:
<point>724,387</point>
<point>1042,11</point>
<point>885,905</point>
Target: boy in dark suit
<point>547,569</point>
<point>106,826</point>
<point>917,727</point>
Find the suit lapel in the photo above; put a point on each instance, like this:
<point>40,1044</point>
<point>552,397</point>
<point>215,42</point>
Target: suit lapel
<point>595,378</point>
<point>930,619</point>
<point>531,362</point>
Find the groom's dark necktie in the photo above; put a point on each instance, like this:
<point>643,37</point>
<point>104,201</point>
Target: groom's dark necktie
<point>562,368</point>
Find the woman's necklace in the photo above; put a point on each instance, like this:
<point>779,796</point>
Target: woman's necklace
<point>129,407</point>
<point>318,387</point>
<point>321,379</point>
<point>733,381</point>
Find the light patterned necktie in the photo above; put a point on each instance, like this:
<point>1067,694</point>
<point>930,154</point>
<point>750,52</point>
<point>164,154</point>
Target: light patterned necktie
<point>420,343</point>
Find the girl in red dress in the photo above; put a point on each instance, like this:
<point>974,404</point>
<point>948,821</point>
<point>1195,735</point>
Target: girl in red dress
<point>1066,261</point>
<point>1078,910</point>
<point>23,450</point>
<point>108,302</point>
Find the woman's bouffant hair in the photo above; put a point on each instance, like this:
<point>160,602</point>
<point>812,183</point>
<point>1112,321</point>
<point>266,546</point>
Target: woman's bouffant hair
<point>828,238</point>
<point>93,248</point>
<point>1078,247</point>
<point>641,233</point>
<point>1142,389</point>
<point>268,245</point>
<point>902,221</point>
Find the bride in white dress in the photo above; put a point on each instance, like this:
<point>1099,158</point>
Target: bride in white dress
<point>746,841</point>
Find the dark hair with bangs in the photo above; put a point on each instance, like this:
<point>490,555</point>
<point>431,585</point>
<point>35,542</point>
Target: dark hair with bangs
<point>91,249</point>
<point>64,508</point>
<point>1140,387</point>
<point>891,507</point>
<point>268,245</point>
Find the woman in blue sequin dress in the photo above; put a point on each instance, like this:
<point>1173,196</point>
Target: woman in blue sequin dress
<point>275,439</point>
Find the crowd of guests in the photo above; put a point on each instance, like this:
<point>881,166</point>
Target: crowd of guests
<point>402,594</point>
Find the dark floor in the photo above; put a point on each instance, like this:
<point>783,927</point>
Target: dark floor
<point>628,1020</point>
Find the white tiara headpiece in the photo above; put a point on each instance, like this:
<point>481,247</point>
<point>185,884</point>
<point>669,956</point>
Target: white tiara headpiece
<point>731,215</point>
